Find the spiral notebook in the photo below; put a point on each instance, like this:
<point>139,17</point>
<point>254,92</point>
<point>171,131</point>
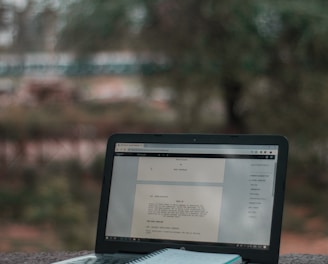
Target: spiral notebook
<point>208,193</point>
<point>178,256</point>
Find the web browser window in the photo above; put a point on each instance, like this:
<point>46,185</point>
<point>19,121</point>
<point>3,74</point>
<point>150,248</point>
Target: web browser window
<point>192,192</point>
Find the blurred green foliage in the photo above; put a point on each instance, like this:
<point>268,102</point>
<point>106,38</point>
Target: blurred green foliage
<point>222,46</point>
<point>55,194</point>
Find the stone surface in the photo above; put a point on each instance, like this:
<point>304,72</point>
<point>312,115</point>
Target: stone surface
<point>49,257</point>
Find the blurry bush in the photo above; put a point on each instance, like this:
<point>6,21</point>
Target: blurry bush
<point>58,195</point>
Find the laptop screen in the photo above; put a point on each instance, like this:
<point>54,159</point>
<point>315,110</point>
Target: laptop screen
<point>218,194</point>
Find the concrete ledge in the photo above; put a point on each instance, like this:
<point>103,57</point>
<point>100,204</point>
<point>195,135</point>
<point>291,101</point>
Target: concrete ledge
<point>49,257</point>
<point>303,259</point>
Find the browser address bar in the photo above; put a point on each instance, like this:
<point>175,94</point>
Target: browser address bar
<point>189,150</point>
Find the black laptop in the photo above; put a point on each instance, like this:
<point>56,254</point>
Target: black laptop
<point>207,193</point>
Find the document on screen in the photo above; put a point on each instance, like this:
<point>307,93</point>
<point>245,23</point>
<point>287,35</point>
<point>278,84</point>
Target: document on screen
<point>177,201</point>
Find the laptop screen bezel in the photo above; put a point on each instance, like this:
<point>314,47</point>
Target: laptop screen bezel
<point>264,256</point>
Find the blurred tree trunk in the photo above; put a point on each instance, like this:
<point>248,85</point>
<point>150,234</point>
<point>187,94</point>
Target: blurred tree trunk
<point>232,94</point>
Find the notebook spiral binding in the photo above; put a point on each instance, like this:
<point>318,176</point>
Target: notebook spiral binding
<point>148,256</point>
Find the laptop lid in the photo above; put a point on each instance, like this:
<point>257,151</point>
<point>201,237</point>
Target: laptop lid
<point>213,193</point>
